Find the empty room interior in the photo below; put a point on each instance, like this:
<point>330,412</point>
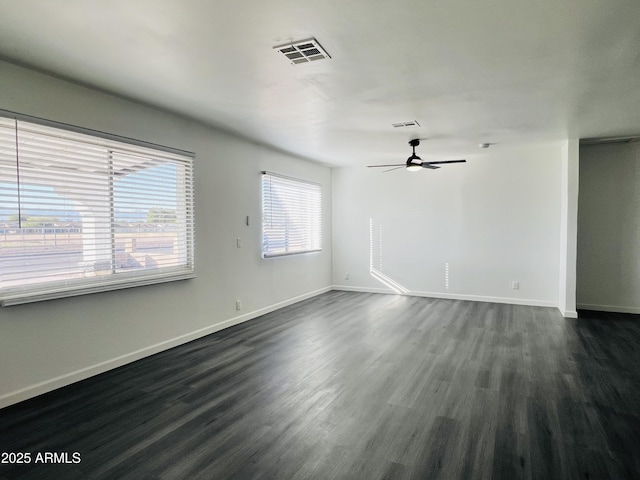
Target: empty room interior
<point>352,240</point>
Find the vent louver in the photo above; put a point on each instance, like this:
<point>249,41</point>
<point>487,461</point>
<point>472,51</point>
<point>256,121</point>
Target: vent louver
<point>411,123</point>
<point>303,51</point>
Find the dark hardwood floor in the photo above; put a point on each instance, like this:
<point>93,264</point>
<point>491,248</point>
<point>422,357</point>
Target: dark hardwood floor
<point>356,386</point>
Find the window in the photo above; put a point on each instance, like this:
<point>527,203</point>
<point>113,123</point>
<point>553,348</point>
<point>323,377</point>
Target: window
<point>81,213</point>
<point>291,216</point>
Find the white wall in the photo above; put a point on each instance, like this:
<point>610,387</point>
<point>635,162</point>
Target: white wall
<point>608,271</point>
<point>50,344</point>
<point>488,222</point>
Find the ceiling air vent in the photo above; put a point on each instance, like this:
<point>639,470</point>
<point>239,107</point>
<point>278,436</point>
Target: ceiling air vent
<point>607,140</point>
<point>303,51</point>
<point>411,123</point>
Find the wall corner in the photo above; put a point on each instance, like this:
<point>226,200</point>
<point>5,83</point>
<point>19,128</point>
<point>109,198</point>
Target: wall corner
<point>569,227</point>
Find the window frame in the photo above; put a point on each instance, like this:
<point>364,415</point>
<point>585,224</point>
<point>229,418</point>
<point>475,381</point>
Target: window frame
<point>115,280</point>
<point>313,229</point>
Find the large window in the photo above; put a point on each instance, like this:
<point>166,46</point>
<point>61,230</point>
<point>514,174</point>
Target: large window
<point>291,216</point>
<point>81,213</point>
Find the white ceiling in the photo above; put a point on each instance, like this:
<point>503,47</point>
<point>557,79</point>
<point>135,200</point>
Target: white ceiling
<point>502,71</point>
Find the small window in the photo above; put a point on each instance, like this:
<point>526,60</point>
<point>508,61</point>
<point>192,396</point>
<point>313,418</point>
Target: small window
<point>291,216</point>
<point>81,213</point>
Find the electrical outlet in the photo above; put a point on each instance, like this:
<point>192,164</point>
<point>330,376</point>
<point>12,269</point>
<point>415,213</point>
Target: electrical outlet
<point>515,285</point>
<point>346,275</point>
<point>238,243</point>
<point>238,304</point>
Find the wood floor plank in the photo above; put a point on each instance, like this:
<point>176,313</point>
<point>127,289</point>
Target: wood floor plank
<point>357,386</point>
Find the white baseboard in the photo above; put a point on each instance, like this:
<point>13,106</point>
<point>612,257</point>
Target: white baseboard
<point>568,313</point>
<point>609,308</point>
<point>454,296</point>
<point>84,373</point>
<point>348,288</point>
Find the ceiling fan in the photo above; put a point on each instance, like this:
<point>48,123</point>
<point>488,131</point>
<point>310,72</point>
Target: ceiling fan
<point>414,162</point>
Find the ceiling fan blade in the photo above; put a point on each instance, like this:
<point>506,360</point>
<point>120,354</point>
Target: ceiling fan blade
<point>428,165</point>
<point>394,168</point>
<point>448,161</point>
<point>394,165</point>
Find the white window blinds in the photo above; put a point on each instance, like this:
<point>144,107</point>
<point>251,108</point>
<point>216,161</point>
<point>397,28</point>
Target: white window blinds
<point>80,213</point>
<point>291,216</point>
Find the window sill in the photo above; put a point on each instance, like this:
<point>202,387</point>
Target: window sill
<point>55,292</point>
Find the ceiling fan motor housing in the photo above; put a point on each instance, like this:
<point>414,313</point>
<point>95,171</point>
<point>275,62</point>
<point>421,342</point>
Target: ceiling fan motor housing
<point>414,160</point>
